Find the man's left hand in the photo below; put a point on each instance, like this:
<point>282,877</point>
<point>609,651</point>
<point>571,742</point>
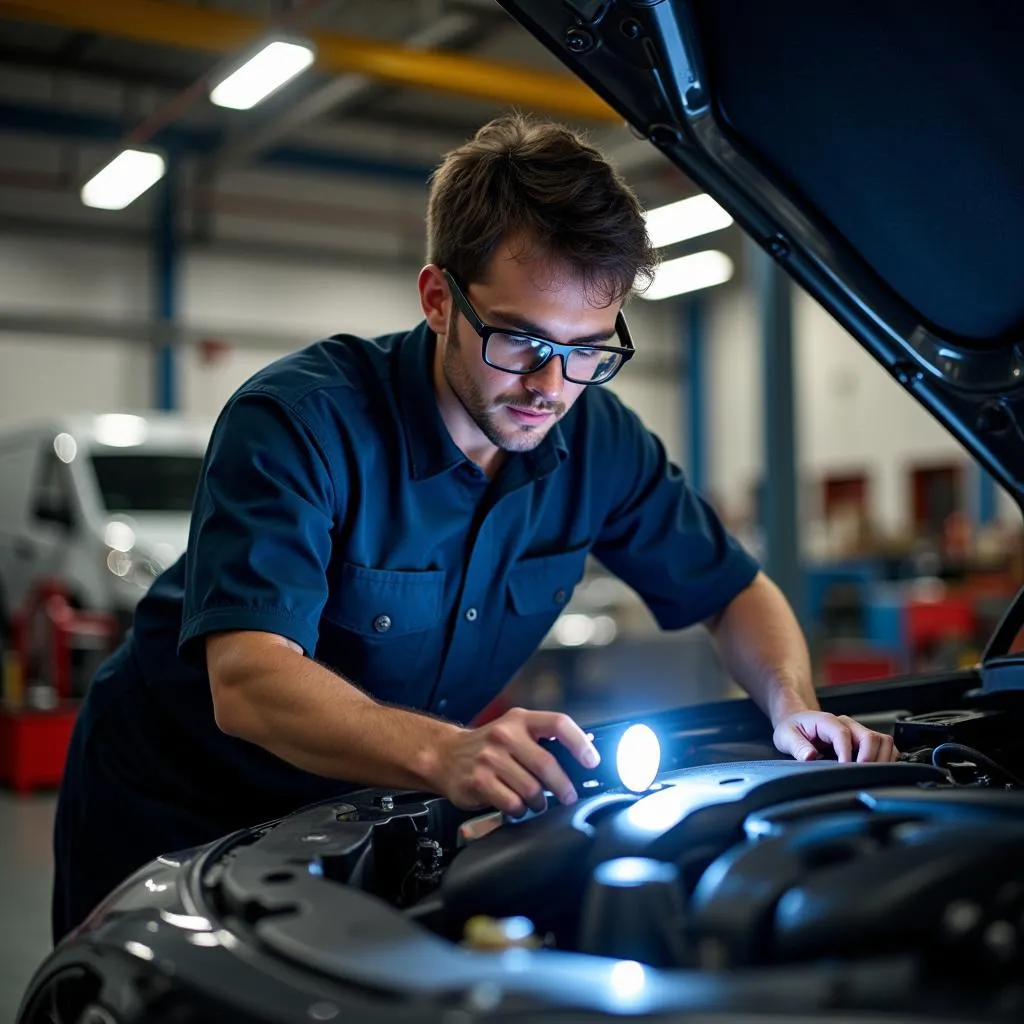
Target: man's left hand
<point>808,735</point>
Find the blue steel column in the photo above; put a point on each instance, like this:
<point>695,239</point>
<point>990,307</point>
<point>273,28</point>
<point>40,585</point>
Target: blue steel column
<point>166,266</point>
<point>779,490</point>
<point>692,389</point>
<point>985,497</point>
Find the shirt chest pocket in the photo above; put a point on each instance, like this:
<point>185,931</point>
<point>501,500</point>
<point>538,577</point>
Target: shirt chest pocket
<point>539,588</point>
<point>378,626</point>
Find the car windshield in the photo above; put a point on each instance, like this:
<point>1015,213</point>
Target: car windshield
<point>154,482</point>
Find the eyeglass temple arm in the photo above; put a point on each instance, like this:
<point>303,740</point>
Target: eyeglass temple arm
<point>463,303</point>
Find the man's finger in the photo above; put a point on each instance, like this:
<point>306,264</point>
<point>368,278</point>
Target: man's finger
<point>504,799</point>
<point>838,734</point>
<point>869,746</point>
<point>888,750</point>
<point>543,725</point>
<point>541,764</point>
<point>793,742</point>
<point>523,783</point>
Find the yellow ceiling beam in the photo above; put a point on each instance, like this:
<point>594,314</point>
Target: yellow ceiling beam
<point>222,32</point>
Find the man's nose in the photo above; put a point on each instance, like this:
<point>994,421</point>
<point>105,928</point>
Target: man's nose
<point>547,381</point>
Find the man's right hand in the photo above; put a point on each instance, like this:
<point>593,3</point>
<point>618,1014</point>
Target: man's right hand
<point>502,765</point>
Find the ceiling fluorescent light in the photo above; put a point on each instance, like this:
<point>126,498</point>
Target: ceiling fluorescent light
<point>277,63</point>
<point>688,273</point>
<point>698,215</point>
<point>123,180</point>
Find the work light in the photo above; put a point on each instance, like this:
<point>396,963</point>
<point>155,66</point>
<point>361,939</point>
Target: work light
<point>630,759</point>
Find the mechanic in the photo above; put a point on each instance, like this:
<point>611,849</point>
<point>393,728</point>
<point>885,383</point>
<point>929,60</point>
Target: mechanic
<point>384,531</point>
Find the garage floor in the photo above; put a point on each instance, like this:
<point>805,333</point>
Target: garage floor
<point>26,824</point>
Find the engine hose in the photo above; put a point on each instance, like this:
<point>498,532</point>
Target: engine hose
<point>970,754</point>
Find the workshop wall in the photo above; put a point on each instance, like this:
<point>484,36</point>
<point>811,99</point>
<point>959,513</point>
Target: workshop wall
<point>258,308</point>
<point>262,308</point>
<point>856,418</point>
<point>40,376</point>
<point>86,280</point>
<point>851,416</point>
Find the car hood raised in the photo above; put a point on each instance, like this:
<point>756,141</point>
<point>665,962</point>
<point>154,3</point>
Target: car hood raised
<point>873,148</point>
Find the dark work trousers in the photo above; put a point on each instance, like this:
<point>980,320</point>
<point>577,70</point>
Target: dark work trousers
<point>120,804</point>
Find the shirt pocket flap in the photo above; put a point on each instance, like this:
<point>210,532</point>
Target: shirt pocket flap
<point>545,583</point>
<point>386,602</point>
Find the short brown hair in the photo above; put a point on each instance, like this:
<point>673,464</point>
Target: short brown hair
<point>520,177</point>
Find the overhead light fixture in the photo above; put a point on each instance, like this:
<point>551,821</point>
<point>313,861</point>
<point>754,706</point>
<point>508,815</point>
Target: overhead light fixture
<point>275,64</point>
<point>688,218</point>
<point>689,273</point>
<point>124,179</point>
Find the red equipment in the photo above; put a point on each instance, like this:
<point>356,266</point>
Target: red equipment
<point>34,740</point>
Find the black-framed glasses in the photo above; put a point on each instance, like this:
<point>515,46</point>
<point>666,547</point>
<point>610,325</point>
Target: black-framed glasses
<point>521,352</point>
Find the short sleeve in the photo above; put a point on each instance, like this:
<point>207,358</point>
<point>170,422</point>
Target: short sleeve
<point>260,538</point>
<point>662,538</point>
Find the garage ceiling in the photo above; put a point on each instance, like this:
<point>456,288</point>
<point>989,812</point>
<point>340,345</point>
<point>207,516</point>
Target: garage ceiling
<point>334,164</point>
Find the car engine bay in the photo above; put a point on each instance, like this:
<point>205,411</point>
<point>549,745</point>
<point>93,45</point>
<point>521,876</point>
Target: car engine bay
<point>738,882</point>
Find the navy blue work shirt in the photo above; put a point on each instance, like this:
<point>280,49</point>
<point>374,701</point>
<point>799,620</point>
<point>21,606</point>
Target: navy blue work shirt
<point>334,509</point>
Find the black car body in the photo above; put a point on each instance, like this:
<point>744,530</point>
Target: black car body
<point>873,150</point>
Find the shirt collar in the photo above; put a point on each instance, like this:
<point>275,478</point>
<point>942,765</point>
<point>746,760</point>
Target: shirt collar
<point>431,448</point>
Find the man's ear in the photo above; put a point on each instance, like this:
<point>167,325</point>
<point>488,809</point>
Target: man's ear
<point>435,299</point>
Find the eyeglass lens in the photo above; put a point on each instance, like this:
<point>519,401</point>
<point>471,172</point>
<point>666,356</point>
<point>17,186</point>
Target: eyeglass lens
<point>525,355</point>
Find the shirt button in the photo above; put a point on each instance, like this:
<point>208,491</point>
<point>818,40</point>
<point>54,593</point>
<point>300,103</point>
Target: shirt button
<point>560,596</point>
<point>442,704</point>
<point>382,623</point>
<point>471,614</point>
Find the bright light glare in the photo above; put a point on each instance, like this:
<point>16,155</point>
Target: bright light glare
<point>66,447</point>
<point>123,180</point>
<point>629,872</point>
<point>119,536</point>
<point>628,979</point>
<point>689,273</point>
<point>574,630</point>
<point>120,430</point>
<point>517,928</point>
<point>605,630</point>
<point>191,922</point>
<point>667,807</point>
<point>119,563</point>
<point>276,64</point>
<point>688,218</point>
<point>638,758</point>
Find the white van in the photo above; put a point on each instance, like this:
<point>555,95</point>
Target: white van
<point>101,503</point>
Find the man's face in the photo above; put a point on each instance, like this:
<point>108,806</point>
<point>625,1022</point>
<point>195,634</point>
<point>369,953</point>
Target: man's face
<point>515,412</point>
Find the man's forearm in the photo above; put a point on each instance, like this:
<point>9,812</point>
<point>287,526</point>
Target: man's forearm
<point>315,720</point>
<point>764,650</point>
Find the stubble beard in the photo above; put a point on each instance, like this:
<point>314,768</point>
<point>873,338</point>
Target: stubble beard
<point>466,390</point>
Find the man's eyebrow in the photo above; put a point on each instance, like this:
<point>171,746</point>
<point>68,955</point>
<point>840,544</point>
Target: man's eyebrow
<point>521,323</point>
